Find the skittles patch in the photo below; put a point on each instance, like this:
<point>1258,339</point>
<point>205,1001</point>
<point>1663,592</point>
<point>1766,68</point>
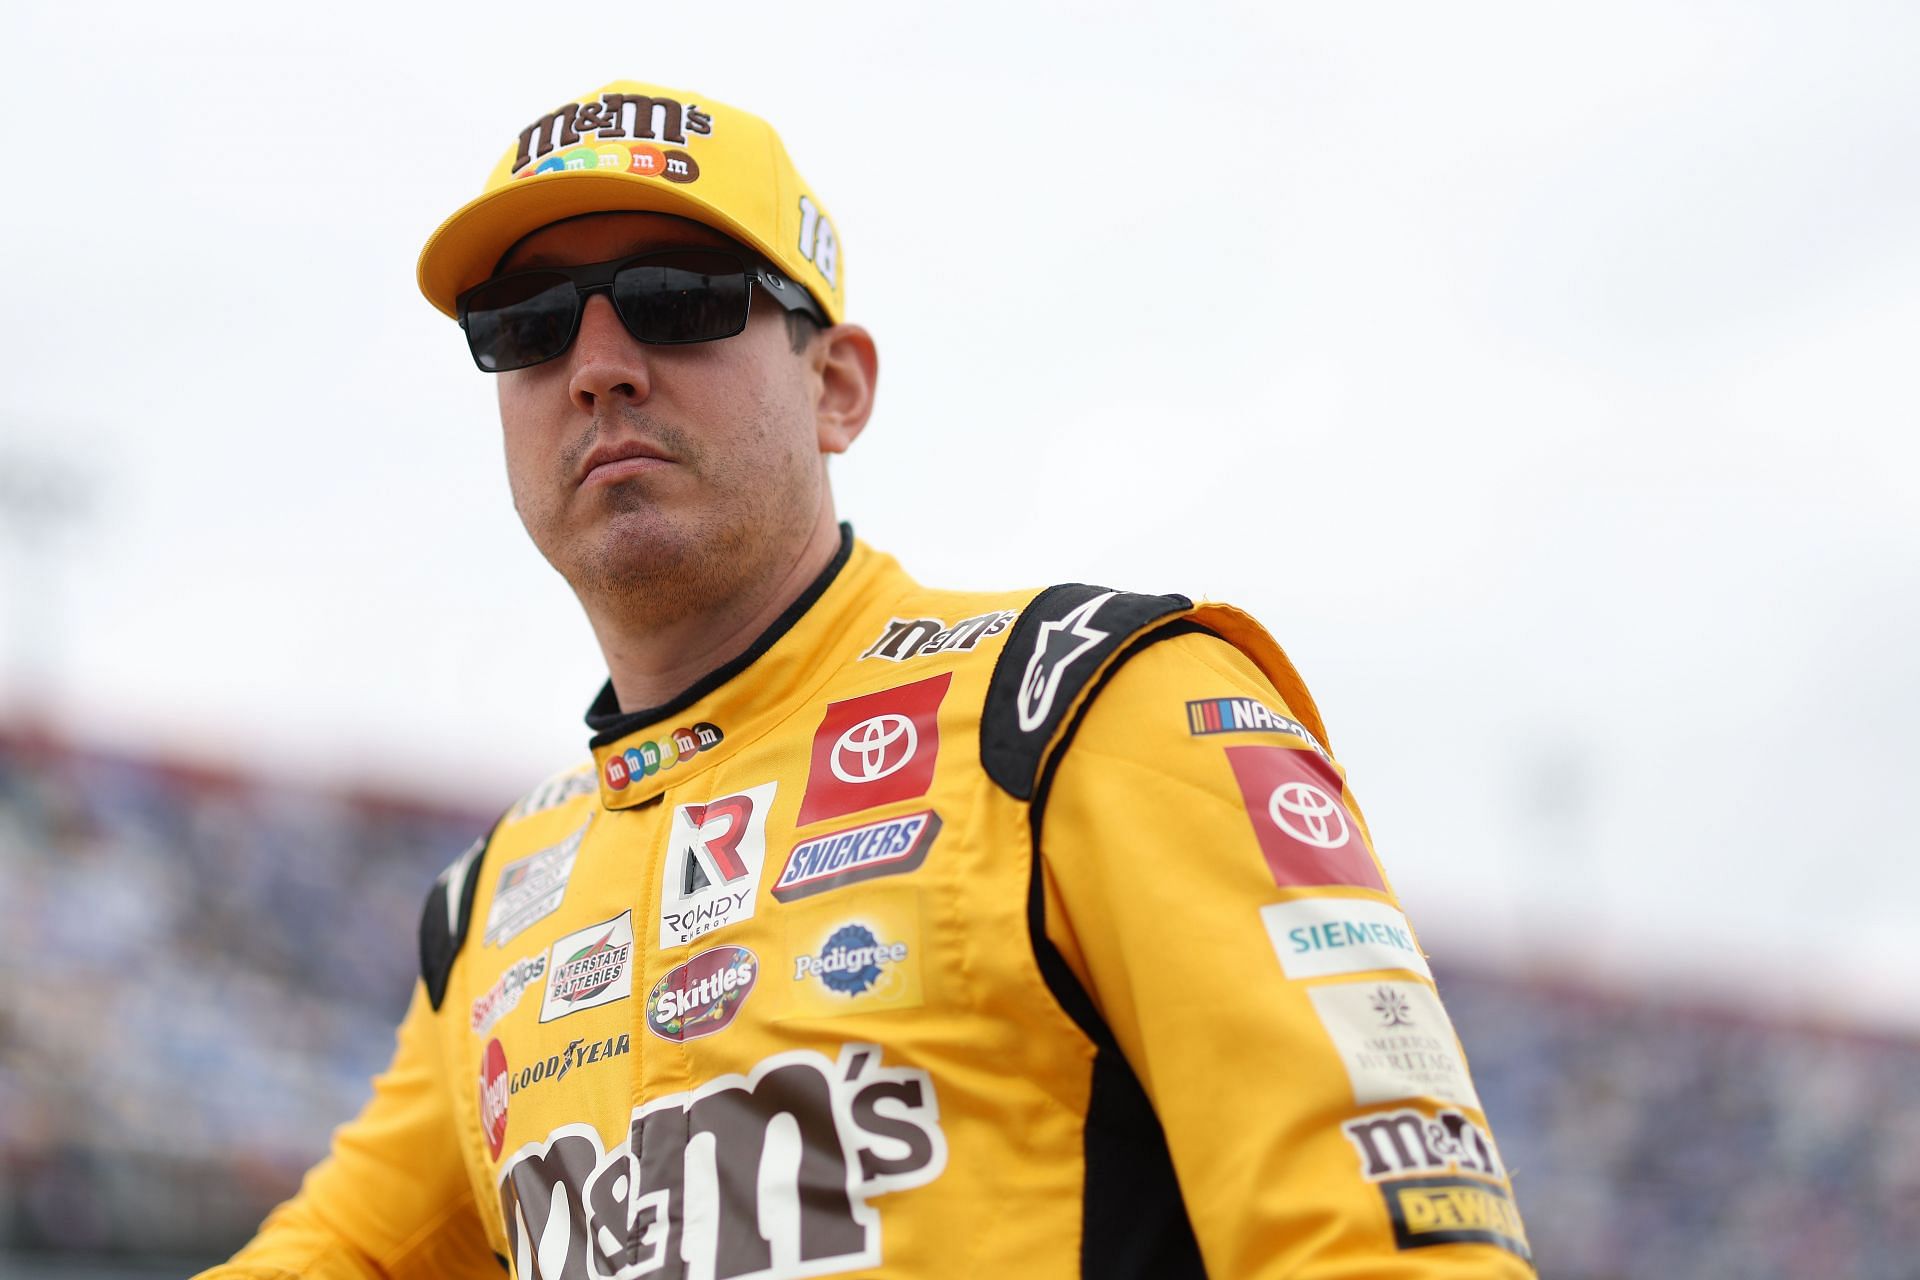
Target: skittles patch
<point>702,996</point>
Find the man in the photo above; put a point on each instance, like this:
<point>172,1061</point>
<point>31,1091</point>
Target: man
<point>890,931</point>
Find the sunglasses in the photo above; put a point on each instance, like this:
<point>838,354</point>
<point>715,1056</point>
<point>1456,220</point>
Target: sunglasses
<point>668,297</point>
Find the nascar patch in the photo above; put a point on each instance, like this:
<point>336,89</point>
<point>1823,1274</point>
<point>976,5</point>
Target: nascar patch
<point>1245,715</point>
<point>889,847</point>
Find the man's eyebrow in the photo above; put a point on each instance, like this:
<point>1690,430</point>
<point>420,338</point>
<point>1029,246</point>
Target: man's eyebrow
<point>538,259</point>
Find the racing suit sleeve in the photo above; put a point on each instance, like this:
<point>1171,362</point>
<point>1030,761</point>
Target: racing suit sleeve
<point>392,1198</point>
<point>1262,985</point>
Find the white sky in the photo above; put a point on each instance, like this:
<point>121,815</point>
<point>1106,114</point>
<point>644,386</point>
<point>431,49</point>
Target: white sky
<point>1543,375</point>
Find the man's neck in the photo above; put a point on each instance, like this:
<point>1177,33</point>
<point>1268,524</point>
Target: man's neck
<point>650,661</point>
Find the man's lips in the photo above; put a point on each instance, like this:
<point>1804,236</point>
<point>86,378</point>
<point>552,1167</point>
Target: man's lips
<point>614,462</point>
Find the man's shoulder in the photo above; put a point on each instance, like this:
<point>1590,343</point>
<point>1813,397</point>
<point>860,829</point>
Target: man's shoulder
<point>1069,642</point>
<point>541,829</point>
<point>545,815</point>
<point>1190,682</point>
<point>554,791</point>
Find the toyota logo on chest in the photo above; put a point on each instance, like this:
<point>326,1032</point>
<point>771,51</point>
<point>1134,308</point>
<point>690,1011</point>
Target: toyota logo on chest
<point>875,749</point>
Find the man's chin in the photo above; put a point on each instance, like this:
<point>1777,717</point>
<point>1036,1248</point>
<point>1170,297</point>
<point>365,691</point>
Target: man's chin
<point>640,492</point>
<point>649,553</point>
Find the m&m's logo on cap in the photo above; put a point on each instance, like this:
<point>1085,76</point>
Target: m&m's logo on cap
<point>615,132</point>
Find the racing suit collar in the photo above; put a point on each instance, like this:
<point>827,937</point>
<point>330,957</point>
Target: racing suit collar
<point>609,722</point>
<point>638,754</point>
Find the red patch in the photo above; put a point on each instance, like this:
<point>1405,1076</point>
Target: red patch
<point>1306,833</point>
<point>493,1096</point>
<point>875,749</point>
<point>617,772</point>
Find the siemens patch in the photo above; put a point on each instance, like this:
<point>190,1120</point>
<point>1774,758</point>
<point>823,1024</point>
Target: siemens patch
<point>1315,937</point>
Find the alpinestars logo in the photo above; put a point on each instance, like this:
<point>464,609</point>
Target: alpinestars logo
<point>782,1186</point>
<point>714,855</point>
<point>1058,646</point>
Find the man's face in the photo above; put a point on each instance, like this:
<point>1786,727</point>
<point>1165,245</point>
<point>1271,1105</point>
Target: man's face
<point>681,473</point>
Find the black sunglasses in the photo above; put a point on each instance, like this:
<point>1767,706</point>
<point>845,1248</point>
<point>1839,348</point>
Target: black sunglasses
<point>667,297</point>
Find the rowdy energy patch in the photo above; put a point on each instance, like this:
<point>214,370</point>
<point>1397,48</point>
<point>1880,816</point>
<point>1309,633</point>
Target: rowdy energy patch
<point>715,851</point>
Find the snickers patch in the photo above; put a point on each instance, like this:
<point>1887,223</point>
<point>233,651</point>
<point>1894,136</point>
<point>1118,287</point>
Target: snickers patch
<point>889,847</point>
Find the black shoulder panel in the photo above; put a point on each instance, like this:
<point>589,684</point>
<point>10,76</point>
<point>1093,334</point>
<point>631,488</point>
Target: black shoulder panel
<point>443,920</point>
<point>1061,642</point>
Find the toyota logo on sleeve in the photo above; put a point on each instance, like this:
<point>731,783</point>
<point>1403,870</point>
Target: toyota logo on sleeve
<point>1308,814</point>
<point>1294,800</point>
<point>874,750</point>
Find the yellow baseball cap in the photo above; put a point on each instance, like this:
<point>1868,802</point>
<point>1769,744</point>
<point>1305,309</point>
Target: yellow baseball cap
<point>643,147</point>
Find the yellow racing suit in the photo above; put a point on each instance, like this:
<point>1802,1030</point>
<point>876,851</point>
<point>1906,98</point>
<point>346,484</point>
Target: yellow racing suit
<point>1030,934</point>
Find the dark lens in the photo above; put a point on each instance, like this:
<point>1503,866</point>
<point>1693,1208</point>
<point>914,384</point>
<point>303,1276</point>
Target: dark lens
<point>521,319</point>
<point>684,296</point>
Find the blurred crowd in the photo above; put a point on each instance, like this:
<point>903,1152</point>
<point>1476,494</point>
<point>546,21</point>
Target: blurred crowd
<point>199,972</point>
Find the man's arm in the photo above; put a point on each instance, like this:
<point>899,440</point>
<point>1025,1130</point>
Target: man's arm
<point>1212,889</point>
<point>392,1198</point>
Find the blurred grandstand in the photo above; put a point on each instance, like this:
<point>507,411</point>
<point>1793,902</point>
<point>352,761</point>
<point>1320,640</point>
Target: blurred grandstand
<point>200,971</point>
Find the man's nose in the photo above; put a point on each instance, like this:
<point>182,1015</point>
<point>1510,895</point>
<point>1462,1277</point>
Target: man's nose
<point>607,360</point>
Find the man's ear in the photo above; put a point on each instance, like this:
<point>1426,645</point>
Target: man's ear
<point>845,367</point>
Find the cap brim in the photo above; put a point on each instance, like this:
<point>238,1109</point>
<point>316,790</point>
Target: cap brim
<point>467,246</point>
